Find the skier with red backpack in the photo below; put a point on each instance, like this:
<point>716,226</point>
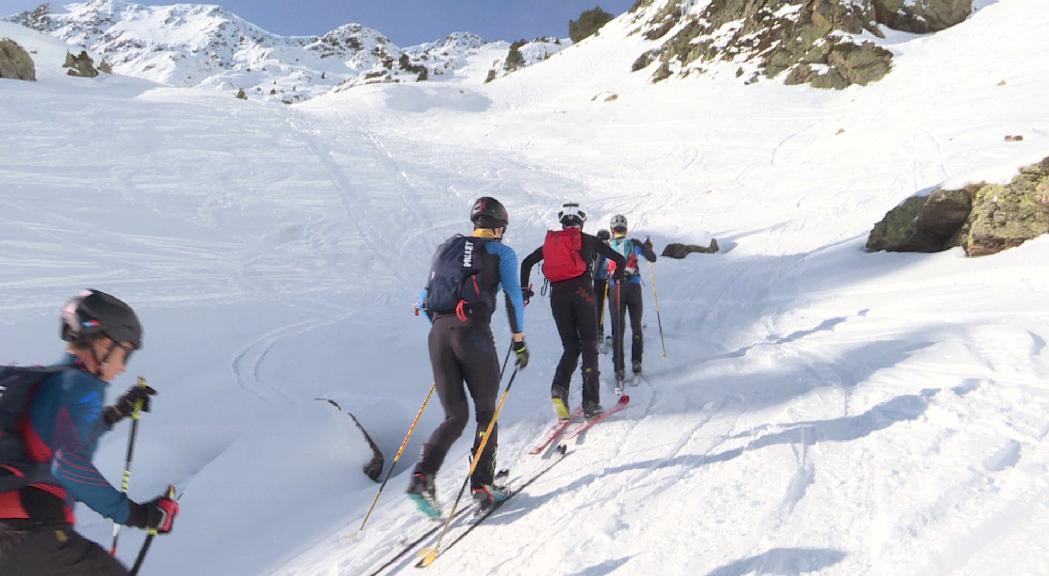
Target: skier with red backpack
<point>566,256</point>
<point>51,421</point>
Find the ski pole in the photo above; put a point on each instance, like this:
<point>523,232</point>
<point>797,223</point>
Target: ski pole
<point>428,555</point>
<point>149,540</point>
<point>652,267</point>
<point>126,480</point>
<point>404,444</point>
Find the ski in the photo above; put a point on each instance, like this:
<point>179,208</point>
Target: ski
<point>623,402</point>
<point>461,513</point>
<point>428,556</point>
<point>556,431</point>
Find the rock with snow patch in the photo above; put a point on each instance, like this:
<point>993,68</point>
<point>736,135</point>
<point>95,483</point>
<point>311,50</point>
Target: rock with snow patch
<point>1007,216</point>
<point>923,223</point>
<point>15,62</point>
<point>922,16</point>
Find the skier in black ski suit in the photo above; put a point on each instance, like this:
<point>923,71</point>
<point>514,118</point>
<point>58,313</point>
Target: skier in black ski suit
<point>45,464</point>
<point>600,272</point>
<point>625,296</point>
<point>459,298</point>
<point>567,256</point>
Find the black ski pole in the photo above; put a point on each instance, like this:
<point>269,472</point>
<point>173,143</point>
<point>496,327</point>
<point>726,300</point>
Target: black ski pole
<point>126,479</point>
<point>149,540</point>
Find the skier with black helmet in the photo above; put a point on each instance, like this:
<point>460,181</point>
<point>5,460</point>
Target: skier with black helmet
<point>459,299</point>
<point>626,299</point>
<point>567,255</point>
<point>45,463</point>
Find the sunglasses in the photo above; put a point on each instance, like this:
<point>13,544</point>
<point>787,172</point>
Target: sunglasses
<point>128,350</point>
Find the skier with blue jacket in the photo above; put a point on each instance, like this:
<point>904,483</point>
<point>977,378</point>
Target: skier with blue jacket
<point>625,297</point>
<point>459,299</point>
<point>46,467</point>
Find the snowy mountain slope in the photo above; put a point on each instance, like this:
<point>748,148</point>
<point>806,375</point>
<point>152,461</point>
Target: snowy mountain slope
<point>207,46</point>
<point>821,410</point>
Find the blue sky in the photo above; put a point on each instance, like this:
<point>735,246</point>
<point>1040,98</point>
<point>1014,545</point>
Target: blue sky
<point>406,22</point>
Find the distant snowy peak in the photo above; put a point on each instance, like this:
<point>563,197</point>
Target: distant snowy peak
<point>208,46</point>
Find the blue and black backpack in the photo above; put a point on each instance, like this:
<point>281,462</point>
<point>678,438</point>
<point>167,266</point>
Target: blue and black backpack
<point>17,385</point>
<point>454,284</point>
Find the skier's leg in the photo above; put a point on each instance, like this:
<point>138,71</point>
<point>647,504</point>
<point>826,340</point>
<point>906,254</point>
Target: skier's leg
<point>448,378</point>
<point>480,364</point>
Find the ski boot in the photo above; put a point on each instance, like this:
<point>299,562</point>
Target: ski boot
<point>636,366</point>
<point>559,397</point>
<point>620,379</point>
<point>488,496</point>
<point>592,409</point>
<point>423,492</point>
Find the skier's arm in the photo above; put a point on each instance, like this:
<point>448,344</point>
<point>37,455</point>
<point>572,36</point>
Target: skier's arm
<point>607,251</point>
<point>645,249</point>
<point>529,261</point>
<point>511,287</point>
<point>77,427</point>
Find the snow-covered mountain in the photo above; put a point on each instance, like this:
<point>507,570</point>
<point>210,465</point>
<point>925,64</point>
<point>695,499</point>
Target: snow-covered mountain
<point>208,46</point>
<point>820,410</point>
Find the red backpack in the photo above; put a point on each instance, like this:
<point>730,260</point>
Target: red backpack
<point>561,257</point>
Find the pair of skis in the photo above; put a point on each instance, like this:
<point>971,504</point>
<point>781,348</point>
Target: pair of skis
<point>514,486</point>
<point>563,428</point>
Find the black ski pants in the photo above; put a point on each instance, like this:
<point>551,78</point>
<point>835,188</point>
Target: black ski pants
<point>463,352</point>
<point>573,306</point>
<point>52,551</point>
<point>625,299</point>
<point>601,293</point>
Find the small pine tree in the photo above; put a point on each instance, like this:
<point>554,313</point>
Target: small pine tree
<point>590,21</point>
<point>514,58</point>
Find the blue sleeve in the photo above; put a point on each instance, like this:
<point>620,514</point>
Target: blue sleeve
<point>78,424</point>
<point>508,278</point>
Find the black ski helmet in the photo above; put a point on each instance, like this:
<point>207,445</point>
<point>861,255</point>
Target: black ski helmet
<point>95,312</point>
<point>603,235</point>
<point>487,212</point>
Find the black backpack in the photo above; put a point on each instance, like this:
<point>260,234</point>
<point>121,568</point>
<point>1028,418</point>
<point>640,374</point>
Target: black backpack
<point>17,385</point>
<point>454,285</point>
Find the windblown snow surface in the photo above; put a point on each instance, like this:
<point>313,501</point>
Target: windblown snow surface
<point>819,410</point>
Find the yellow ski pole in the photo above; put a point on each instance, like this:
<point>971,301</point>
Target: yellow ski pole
<point>404,444</point>
<point>655,297</point>
<point>428,555</point>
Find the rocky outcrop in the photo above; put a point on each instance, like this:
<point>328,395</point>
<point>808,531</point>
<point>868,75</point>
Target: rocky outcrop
<point>921,16</point>
<point>80,65</point>
<point>810,40</point>
<point>816,42</point>
<point>679,251</point>
<point>15,62</point>
<point>982,218</point>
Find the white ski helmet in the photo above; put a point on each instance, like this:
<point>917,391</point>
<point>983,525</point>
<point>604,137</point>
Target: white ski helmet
<point>618,223</point>
<point>571,215</point>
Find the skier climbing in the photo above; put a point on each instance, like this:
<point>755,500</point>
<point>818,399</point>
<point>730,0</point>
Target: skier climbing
<point>45,461</point>
<point>459,299</point>
<point>625,297</point>
<point>567,255</point>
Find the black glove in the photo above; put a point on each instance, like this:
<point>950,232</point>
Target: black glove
<point>521,350</point>
<point>648,244</point>
<point>618,274</point>
<point>527,293</point>
<point>157,514</point>
<point>125,405</point>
